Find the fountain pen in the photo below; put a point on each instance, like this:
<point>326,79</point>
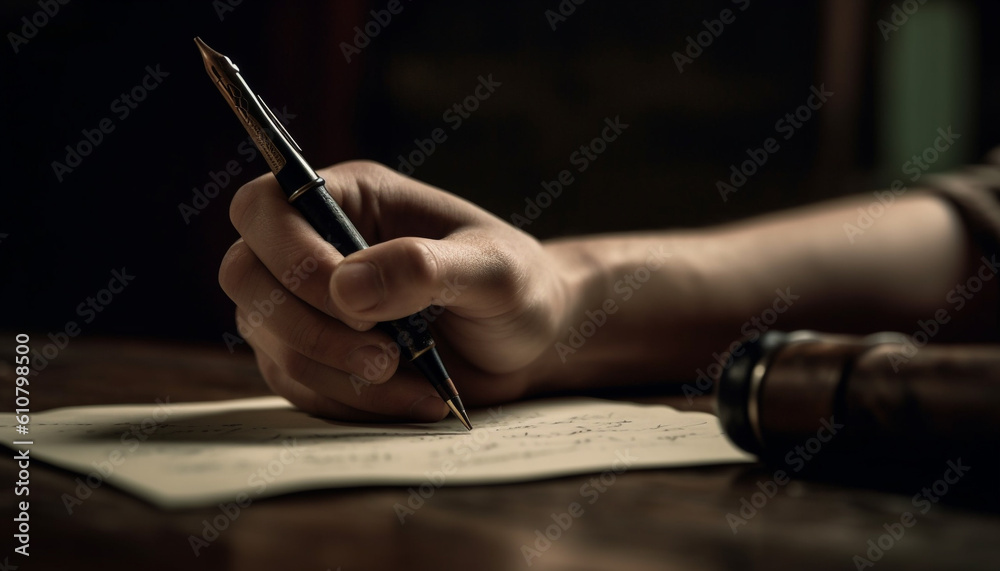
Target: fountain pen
<point>307,192</point>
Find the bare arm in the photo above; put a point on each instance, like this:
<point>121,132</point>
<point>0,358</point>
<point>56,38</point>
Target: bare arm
<point>791,270</point>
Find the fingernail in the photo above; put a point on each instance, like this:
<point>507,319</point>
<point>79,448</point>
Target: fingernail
<point>429,407</point>
<point>358,285</point>
<point>368,362</point>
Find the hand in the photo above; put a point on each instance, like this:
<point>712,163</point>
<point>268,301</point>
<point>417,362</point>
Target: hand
<point>497,299</point>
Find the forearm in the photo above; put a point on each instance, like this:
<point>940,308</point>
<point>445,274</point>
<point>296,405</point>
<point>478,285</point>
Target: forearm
<point>666,301</point>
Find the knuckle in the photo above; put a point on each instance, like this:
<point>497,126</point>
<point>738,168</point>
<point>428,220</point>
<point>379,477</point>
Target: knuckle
<point>235,267</point>
<point>383,368</point>
<point>373,177</point>
<point>243,206</point>
<point>423,262</point>
<point>313,339</point>
<point>363,168</point>
<point>297,366</point>
<point>299,264</point>
<point>503,272</point>
<point>363,173</point>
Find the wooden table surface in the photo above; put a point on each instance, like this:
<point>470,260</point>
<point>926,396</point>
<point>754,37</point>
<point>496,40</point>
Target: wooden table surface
<point>647,519</point>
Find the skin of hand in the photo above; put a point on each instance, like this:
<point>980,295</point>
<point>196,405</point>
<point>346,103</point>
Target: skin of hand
<point>495,297</point>
<point>514,317</point>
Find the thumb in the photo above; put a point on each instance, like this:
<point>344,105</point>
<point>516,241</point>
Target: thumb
<point>394,279</point>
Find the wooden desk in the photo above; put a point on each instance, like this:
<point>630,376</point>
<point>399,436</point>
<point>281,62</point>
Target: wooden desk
<point>652,519</point>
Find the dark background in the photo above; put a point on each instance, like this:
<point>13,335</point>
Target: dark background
<point>120,207</point>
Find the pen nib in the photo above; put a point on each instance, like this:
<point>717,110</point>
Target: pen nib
<point>206,52</point>
<point>455,404</point>
<point>213,59</point>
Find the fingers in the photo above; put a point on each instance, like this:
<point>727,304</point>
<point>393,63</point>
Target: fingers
<point>330,392</point>
<point>382,204</point>
<point>466,273</point>
<point>310,357</point>
<point>306,398</point>
<point>310,333</point>
<point>315,403</point>
<point>284,242</point>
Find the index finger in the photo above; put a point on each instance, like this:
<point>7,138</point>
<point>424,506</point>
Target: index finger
<point>284,241</point>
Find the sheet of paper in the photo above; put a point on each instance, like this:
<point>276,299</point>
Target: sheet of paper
<point>196,454</point>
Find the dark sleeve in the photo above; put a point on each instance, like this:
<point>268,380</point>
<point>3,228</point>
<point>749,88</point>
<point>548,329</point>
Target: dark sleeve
<point>974,191</point>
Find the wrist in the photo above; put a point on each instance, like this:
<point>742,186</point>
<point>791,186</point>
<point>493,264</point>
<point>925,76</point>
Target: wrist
<point>600,323</point>
<point>635,310</point>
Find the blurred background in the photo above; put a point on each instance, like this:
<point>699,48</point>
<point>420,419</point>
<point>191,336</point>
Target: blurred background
<point>696,85</point>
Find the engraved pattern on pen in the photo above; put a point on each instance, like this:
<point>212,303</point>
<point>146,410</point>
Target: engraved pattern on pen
<point>274,158</point>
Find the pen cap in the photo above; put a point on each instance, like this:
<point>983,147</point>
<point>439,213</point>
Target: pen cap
<point>874,399</point>
<point>781,389</point>
<point>935,402</point>
<point>739,378</point>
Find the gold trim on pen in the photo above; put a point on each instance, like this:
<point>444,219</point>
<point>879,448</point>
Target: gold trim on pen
<point>305,187</point>
<point>459,413</point>
<point>753,399</point>
<point>422,351</point>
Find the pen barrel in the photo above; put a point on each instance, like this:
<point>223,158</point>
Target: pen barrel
<point>329,220</point>
<point>412,333</point>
